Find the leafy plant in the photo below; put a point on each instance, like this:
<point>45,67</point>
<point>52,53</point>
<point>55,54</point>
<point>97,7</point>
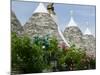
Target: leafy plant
<point>34,55</point>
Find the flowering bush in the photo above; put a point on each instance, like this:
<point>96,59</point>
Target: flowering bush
<point>44,54</point>
<point>75,59</point>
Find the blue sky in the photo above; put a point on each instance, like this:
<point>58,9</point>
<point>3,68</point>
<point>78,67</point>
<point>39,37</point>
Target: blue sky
<point>81,14</point>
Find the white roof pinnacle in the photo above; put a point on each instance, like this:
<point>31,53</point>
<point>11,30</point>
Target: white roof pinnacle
<point>71,22</point>
<point>87,32</point>
<point>41,9</point>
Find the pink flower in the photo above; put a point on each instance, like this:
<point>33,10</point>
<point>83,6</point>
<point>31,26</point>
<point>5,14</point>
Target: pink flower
<point>63,46</point>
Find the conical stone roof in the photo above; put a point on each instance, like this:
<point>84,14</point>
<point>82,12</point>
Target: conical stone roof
<point>89,43</point>
<point>15,24</point>
<point>72,33</point>
<point>41,24</point>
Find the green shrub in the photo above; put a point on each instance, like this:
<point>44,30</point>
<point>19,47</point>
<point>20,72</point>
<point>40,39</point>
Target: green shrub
<point>34,55</point>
